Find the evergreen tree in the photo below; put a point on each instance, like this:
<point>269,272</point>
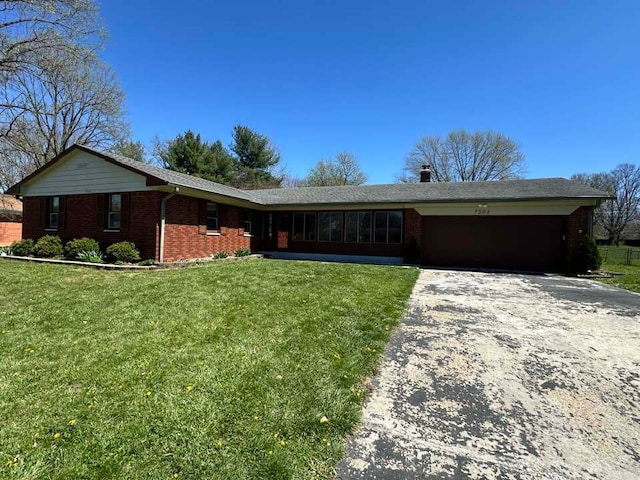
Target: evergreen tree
<point>255,158</point>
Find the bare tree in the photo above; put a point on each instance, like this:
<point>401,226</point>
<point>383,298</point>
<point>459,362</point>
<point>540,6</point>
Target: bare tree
<point>57,102</point>
<point>341,170</point>
<point>613,216</point>
<point>465,157</point>
<point>33,29</point>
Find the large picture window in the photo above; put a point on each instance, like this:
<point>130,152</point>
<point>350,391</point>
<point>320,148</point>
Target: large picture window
<point>114,212</point>
<point>358,227</point>
<point>330,226</point>
<point>304,226</point>
<point>388,227</point>
<point>53,212</point>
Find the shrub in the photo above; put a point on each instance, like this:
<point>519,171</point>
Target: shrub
<point>48,246</point>
<point>242,252</point>
<point>91,256</point>
<point>587,256</point>
<point>220,255</point>
<point>123,252</point>
<point>74,247</point>
<point>23,248</point>
<point>6,251</point>
<point>147,263</point>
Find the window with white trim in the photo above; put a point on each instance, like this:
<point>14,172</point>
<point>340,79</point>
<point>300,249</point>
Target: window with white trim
<point>247,222</point>
<point>212,217</point>
<point>53,212</point>
<point>114,212</point>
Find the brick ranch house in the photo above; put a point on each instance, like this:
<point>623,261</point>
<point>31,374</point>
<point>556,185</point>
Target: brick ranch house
<point>10,220</point>
<point>519,224</point>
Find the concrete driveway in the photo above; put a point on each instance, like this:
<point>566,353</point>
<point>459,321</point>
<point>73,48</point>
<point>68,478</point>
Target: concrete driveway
<point>502,376</point>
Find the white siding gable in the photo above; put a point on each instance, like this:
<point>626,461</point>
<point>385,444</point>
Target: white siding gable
<point>83,172</point>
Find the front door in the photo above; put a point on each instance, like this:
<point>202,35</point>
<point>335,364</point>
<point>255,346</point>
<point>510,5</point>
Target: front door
<point>283,231</point>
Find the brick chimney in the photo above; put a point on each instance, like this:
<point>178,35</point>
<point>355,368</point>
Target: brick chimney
<point>425,174</point>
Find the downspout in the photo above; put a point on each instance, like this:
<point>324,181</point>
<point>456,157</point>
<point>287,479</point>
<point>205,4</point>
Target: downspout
<point>163,213</point>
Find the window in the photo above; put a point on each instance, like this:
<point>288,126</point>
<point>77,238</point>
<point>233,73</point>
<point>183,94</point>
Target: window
<point>388,227</point>
<point>114,212</point>
<point>247,222</point>
<point>53,212</point>
<point>358,227</point>
<point>212,217</point>
<point>330,226</point>
<point>304,226</point>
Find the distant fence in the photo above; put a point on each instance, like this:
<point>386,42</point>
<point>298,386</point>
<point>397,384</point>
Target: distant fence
<point>621,255</point>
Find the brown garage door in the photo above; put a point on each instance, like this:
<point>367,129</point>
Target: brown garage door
<point>505,242</point>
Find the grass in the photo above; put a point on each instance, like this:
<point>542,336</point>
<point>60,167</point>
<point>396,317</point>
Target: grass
<point>614,261</point>
<point>223,371</point>
<point>629,278</point>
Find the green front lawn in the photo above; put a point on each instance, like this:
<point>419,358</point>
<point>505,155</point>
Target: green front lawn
<point>225,371</point>
<point>629,280</point>
<point>614,260</point>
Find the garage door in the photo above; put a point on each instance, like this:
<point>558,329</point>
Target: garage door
<point>504,242</point>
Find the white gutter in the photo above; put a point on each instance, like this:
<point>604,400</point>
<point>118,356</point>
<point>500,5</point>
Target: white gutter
<point>163,213</point>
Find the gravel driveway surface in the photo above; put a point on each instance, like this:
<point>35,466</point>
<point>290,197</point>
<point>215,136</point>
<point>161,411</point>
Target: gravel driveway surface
<point>502,376</point>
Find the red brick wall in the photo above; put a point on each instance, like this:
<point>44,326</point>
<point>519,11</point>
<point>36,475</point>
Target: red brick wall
<point>10,230</point>
<point>182,240</point>
<point>81,220</point>
<point>577,225</point>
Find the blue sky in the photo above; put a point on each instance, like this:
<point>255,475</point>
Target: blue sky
<point>372,77</point>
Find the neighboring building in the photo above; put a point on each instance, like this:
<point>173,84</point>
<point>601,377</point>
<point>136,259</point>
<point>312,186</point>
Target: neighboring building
<point>519,224</point>
<point>10,220</point>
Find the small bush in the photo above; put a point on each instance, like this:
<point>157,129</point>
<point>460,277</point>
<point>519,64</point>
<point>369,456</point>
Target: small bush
<point>6,251</point>
<point>242,252</point>
<point>73,247</point>
<point>123,252</point>
<point>220,255</point>
<point>147,263</point>
<point>48,246</point>
<point>23,248</point>
<point>587,256</point>
<point>91,256</point>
